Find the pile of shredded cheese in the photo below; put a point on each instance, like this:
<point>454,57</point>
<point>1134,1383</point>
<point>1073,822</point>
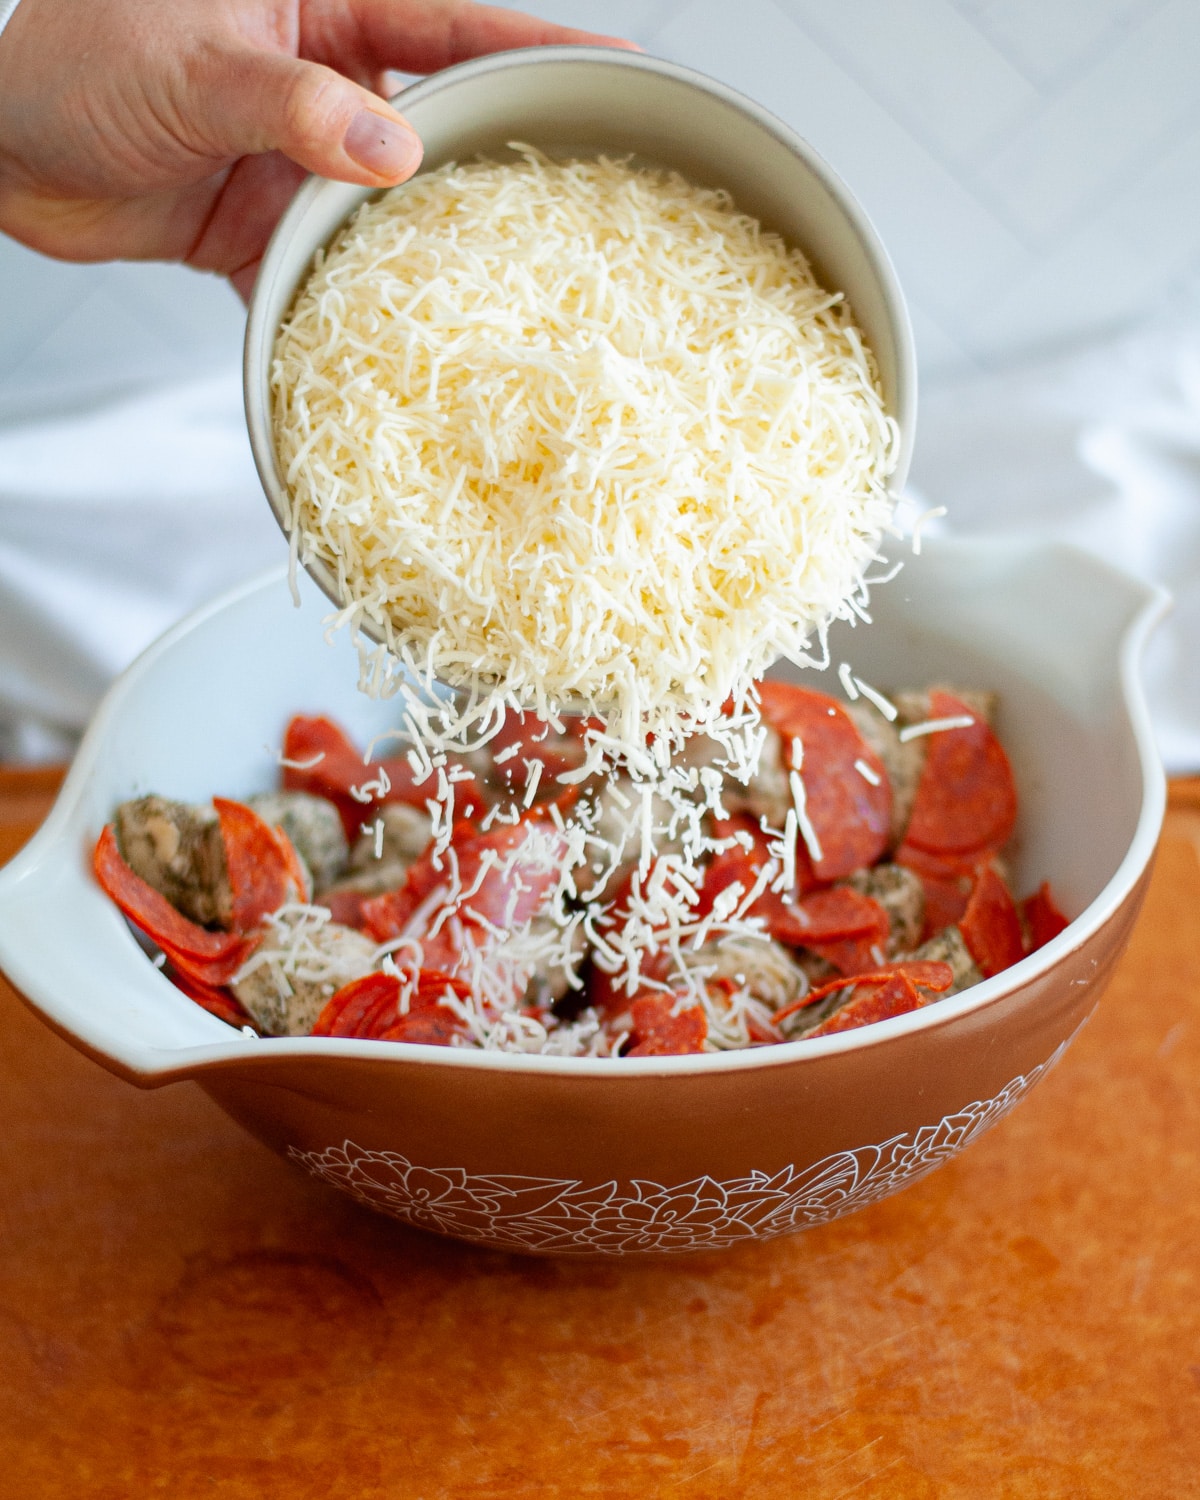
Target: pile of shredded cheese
<point>583,431</point>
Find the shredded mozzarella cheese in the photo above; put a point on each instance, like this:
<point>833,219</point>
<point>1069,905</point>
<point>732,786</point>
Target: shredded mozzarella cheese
<point>935,726</point>
<point>867,772</point>
<point>583,430</point>
<point>885,706</point>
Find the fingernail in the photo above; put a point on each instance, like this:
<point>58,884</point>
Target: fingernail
<point>382,146</point>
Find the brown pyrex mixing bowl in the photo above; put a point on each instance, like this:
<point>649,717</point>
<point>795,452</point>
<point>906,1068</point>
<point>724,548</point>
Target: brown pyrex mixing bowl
<point>590,101</point>
<point>568,1155</point>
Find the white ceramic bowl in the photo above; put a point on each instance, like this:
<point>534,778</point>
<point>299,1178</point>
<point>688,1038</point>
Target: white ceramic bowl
<point>614,1155</point>
<point>585,101</point>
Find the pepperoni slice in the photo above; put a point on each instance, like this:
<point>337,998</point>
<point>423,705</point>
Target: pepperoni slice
<point>656,1032</point>
<point>945,903</point>
<point>210,958</point>
<point>850,815</point>
<point>501,886</point>
<point>437,1027</point>
<point>601,987</point>
<point>327,763</point>
<point>741,865</point>
<point>855,955</point>
<point>295,865</point>
<point>507,897</point>
<point>893,996</point>
<point>218,1002</point>
<point>822,915</point>
<point>966,798</point>
<point>369,1008</point>
<point>386,916</point>
<point>990,925</point>
<point>735,865</point>
<point>533,739</point>
<point>606,997</point>
<point>947,879</point>
<point>944,865</point>
<point>358,1008</point>
<point>1041,918</point>
<point>865,930</point>
<point>323,761</point>
<point>927,973</point>
<point>841,913</point>
<point>260,873</point>
<point>346,907</point>
<point>427,1021</point>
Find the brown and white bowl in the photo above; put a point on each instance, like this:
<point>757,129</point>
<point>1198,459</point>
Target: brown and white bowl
<point>610,1156</point>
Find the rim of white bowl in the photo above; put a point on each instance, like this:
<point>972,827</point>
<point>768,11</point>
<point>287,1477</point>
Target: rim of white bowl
<point>65,831</point>
<point>260,331</point>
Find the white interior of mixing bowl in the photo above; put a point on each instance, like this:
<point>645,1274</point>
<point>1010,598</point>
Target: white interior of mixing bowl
<point>1055,632</point>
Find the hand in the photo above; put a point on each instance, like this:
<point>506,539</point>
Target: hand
<point>179,129</point>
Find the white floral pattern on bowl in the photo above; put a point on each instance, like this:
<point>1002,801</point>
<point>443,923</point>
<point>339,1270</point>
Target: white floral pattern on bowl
<point>549,1216</point>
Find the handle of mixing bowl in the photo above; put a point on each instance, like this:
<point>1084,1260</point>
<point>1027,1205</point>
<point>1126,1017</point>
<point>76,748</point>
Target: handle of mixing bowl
<point>71,956</point>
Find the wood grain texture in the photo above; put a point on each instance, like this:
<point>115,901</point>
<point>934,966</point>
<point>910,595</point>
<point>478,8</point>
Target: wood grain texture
<point>183,1314</point>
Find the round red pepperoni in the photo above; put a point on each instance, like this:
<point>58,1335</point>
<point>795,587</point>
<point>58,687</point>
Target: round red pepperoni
<point>260,873</point>
<point>656,1032</point>
<point>1041,918</point>
<point>361,1008</point>
<point>893,996</point>
<point>428,1028</point>
<point>966,798</point>
<point>850,812</point>
<point>990,925</point>
<point>500,878</point>
<point>218,1002</point>
<point>370,1007</point>
<point>210,958</point>
<point>840,913</point>
<point>927,973</point>
<point>323,760</point>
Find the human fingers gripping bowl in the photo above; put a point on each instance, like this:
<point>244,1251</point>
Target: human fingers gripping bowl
<point>192,123</point>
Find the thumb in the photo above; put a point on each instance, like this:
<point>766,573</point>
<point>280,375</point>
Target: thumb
<point>265,101</point>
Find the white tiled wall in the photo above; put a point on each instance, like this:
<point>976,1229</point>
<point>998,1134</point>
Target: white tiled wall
<point>1033,165</point>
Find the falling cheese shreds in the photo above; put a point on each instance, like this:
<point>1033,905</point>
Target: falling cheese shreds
<point>300,765</point>
<point>583,431</point>
<point>885,705</point>
<point>868,772</point>
<point>935,726</point>
<point>799,803</point>
<point>934,513</point>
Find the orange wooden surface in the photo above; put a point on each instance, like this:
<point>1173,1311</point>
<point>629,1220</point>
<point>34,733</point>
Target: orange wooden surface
<point>183,1314</point>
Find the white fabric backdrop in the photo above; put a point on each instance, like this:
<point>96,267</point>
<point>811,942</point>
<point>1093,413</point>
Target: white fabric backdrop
<point>112,523</point>
<point>1100,447</point>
